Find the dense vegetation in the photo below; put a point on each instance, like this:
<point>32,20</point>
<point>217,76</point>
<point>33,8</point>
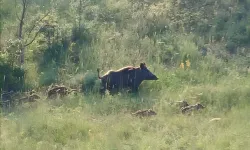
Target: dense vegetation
<point>199,49</point>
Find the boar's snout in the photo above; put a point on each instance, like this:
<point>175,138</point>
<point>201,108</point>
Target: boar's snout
<point>151,76</point>
<point>154,77</point>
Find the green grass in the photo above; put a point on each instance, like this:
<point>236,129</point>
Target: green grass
<point>88,122</point>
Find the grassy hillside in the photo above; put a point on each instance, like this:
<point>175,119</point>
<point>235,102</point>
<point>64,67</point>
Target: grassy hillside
<point>65,41</point>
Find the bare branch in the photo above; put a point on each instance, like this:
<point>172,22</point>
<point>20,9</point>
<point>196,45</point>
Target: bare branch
<point>24,3</point>
<point>18,17</point>
<point>32,39</point>
<point>16,11</point>
<point>33,27</point>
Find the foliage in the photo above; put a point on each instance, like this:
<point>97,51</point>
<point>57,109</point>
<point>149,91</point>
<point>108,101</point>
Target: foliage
<point>90,83</point>
<point>11,78</point>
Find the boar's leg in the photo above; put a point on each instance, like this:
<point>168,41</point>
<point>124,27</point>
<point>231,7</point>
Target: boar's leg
<point>134,89</point>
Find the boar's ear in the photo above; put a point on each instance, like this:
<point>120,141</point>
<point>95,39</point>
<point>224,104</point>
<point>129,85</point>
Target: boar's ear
<point>142,65</point>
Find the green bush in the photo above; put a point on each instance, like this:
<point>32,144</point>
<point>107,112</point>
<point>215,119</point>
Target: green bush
<point>11,78</point>
<point>81,35</point>
<point>90,82</point>
<point>48,76</point>
<point>231,47</point>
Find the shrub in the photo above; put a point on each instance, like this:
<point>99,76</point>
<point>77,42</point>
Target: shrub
<point>11,78</point>
<point>231,47</point>
<point>90,82</point>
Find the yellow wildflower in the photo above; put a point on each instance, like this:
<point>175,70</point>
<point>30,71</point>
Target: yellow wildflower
<point>182,65</point>
<point>188,63</point>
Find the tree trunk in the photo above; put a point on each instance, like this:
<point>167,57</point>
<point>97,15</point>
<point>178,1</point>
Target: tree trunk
<point>20,31</point>
<point>80,15</point>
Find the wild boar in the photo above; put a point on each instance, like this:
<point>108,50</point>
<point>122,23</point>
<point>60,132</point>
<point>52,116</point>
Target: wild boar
<point>127,77</point>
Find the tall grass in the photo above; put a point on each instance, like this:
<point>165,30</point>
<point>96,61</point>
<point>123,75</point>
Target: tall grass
<point>92,123</point>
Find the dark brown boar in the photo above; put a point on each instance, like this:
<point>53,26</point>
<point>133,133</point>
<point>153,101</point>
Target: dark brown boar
<point>125,78</point>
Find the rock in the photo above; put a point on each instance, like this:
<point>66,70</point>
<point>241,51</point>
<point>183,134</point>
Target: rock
<point>144,113</point>
<point>182,103</point>
<point>30,98</point>
<point>190,108</point>
<point>215,119</point>
<point>59,90</point>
